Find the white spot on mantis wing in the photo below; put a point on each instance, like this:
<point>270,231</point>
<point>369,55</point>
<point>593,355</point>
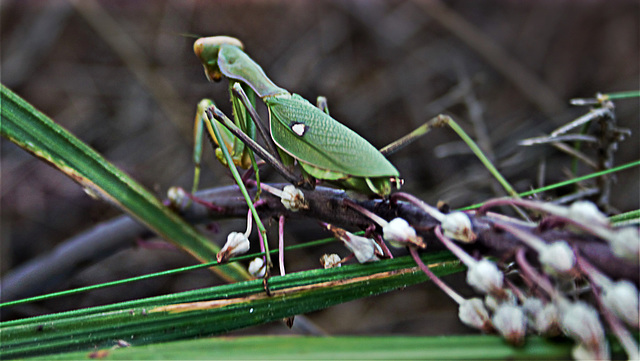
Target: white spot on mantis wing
<point>299,128</point>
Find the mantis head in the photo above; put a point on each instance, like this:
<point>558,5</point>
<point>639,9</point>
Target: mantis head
<point>207,50</point>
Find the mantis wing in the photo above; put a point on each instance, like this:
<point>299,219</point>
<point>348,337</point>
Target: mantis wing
<point>313,137</point>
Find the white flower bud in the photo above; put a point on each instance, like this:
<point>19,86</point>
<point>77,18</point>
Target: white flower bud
<point>557,258</point>
<point>510,321</point>
<point>625,243</point>
<point>547,321</point>
<point>257,267</point>
<point>621,298</point>
<point>330,260</point>
<point>293,199</point>
<point>580,321</point>
<point>587,213</point>
<point>237,244</point>
<point>532,306</point>
<point>457,225</point>
<point>365,249</point>
<point>178,198</point>
<point>581,352</point>
<point>473,314</point>
<point>485,277</point>
<point>399,234</point>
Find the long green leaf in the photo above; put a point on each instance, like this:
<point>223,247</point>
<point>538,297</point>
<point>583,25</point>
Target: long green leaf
<point>468,347</point>
<point>212,310</point>
<point>36,133</point>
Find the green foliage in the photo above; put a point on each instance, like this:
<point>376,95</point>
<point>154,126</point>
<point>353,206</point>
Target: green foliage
<point>469,347</point>
<point>212,310</point>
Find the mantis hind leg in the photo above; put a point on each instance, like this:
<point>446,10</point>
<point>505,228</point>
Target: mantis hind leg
<point>442,121</point>
<point>438,121</point>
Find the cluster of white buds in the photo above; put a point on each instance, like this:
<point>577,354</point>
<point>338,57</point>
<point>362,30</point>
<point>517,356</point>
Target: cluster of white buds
<point>293,199</point>
<point>399,233</point>
<point>237,244</point>
<point>330,260</point>
<point>457,225</point>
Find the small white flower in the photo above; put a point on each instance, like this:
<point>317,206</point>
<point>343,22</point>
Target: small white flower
<point>532,306</point>
<point>457,225</point>
<point>365,249</point>
<point>293,199</point>
<point>473,314</point>
<point>547,321</point>
<point>581,352</point>
<point>581,322</point>
<point>625,243</point>
<point>621,298</point>
<point>510,321</point>
<point>330,260</point>
<point>237,244</point>
<point>587,213</point>
<point>178,198</point>
<point>399,234</point>
<point>543,318</point>
<point>257,267</point>
<point>485,277</point>
<point>557,258</point>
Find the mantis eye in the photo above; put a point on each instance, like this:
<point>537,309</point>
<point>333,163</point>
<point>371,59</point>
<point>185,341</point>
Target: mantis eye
<point>299,128</point>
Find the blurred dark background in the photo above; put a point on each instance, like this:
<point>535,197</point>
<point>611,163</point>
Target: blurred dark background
<point>121,75</point>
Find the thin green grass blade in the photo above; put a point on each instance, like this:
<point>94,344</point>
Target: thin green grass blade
<point>36,133</point>
<point>212,310</point>
<point>469,347</point>
<point>626,219</point>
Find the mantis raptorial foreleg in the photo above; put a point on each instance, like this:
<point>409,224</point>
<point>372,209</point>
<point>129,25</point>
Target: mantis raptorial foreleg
<point>218,115</point>
<point>237,90</point>
<point>217,134</point>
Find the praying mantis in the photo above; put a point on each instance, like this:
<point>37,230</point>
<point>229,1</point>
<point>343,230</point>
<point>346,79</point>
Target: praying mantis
<point>298,132</point>
<point>323,147</point>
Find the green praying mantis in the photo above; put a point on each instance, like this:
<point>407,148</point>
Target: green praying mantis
<point>299,132</point>
<point>323,147</point>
